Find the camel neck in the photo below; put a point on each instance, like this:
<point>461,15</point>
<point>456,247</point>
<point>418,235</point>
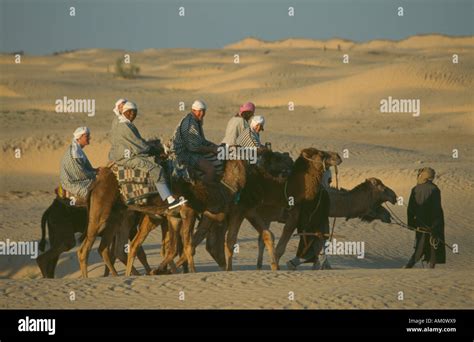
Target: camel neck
<point>353,203</point>
<point>305,184</point>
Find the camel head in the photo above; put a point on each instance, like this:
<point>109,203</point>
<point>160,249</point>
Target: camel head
<point>382,192</point>
<point>277,164</point>
<point>377,213</point>
<point>326,158</point>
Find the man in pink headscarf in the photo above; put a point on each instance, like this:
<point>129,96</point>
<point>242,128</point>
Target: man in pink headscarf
<point>238,123</point>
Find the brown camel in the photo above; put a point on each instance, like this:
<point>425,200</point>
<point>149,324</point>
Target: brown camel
<point>202,198</point>
<point>107,210</point>
<point>301,185</point>
<point>363,201</point>
<point>63,221</point>
<point>272,164</point>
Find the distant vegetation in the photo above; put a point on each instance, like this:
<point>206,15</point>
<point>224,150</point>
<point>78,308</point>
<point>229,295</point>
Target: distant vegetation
<point>124,70</point>
<point>58,53</point>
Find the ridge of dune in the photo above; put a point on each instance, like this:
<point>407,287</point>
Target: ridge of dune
<point>372,83</point>
<point>300,43</point>
<point>411,42</point>
<point>7,92</point>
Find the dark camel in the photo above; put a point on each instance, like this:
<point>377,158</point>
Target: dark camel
<point>363,201</point>
<point>63,221</point>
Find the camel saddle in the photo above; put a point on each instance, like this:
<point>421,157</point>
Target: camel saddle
<point>135,185</point>
<point>69,199</point>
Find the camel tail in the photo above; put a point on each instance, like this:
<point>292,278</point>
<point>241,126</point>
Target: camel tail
<point>44,222</point>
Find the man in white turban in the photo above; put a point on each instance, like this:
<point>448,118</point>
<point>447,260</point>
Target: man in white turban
<point>77,174</point>
<point>129,149</point>
<point>250,137</point>
<point>190,145</point>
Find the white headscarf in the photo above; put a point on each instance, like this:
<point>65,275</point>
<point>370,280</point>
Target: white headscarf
<point>80,131</point>
<point>76,149</point>
<point>127,106</point>
<point>199,105</point>
<point>257,119</point>
<point>116,107</point>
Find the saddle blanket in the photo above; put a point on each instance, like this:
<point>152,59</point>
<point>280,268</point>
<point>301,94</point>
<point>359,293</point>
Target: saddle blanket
<point>134,185</point>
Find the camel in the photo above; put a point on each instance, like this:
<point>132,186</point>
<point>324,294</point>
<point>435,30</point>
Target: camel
<point>272,164</point>
<point>363,201</point>
<point>289,227</point>
<point>301,184</point>
<point>201,197</point>
<point>63,221</point>
<point>107,210</point>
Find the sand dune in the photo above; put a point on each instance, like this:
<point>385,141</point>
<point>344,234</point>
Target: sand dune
<point>5,92</point>
<point>337,107</point>
<point>413,42</point>
<point>253,43</point>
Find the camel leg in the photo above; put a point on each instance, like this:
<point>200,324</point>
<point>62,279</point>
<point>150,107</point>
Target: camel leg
<point>141,255</point>
<point>264,234</point>
<point>124,261</point>
<point>269,241</point>
<point>215,243</point>
<point>164,247</point>
<point>235,220</point>
<point>83,253</point>
<point>199,235</point>
<point>174,226</point>
<point>187,228</point>
<point>288,230</point>
<point>112,259</point>
<point>105,252</point>
<point>180,251</point>
<point>164,239</point>
<point>115,235</point>
<point>146,226</point>
<point>52,266</point>
<point>261,249</point>
<point>47,261</point>
<point>140,252</point>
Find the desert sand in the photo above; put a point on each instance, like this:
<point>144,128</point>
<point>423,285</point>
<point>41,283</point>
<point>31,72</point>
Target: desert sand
<point>336,107</point>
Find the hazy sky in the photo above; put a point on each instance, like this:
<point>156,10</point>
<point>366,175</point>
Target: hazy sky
<point>44,26</point>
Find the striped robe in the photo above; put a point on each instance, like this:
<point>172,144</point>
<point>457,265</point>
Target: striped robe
<point>76,174</point>
<point>249,138</point>
<point>187,139</point>
<point>235,127</point>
